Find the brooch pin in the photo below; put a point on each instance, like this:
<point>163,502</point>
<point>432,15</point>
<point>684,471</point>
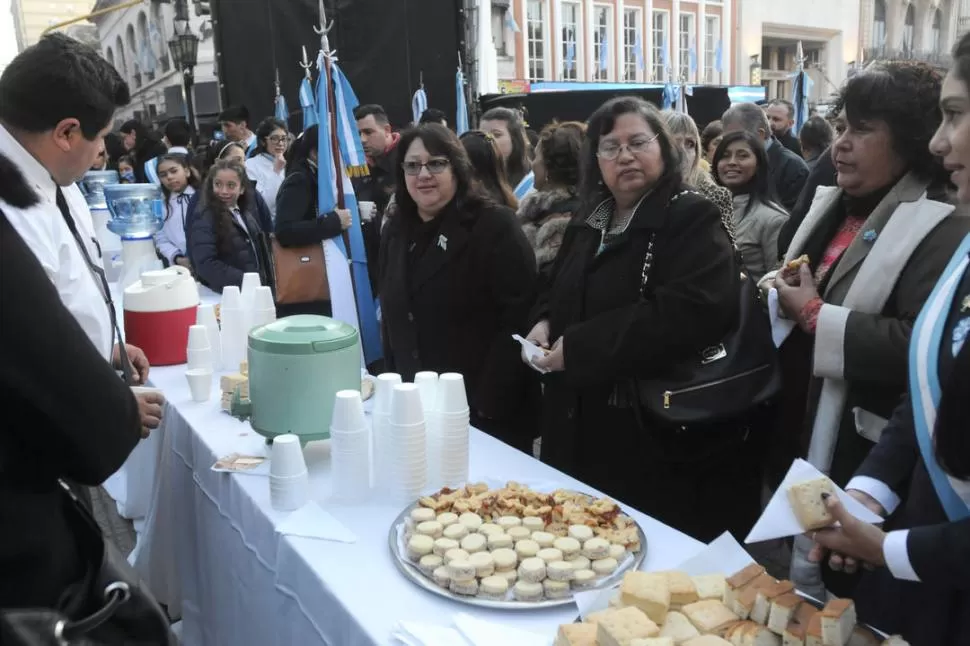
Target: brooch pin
<point>870,235</point>
<point>443,243</point>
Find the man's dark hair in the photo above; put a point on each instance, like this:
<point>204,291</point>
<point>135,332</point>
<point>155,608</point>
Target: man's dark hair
<point>178,133</point>
<point>433,115</point>
<point>60,78</point>
<point>816,134</point>
<point>371,110</point>
<point>786,103</point>
<point>235,114</point>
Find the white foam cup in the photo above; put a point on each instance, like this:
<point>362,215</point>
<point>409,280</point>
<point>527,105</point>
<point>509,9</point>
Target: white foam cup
<point>348,412</point>
<point>286,456</point>
<point>406,407</point>
<point>451,394</point>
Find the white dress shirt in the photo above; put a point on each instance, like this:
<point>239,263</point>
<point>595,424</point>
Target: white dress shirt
<point>171,239</point>
<point>268,181</point>
<point>894,549</point>
<point>43,229</point>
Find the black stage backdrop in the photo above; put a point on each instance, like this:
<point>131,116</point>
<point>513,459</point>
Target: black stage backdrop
<point>385,47</point>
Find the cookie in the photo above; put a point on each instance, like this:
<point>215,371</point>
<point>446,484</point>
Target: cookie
<point>419,545</point>
<point>604,567</point>
<point>532,570</point>
<point>519,533</point>
<point>456,531</point>
<point>581,533</point>
<point>499,541</point>
<point>421,515</point>
<point>584,578</point>
<point>508,521</point>
<point>443,545</point>
<point>527,548</point>
<point>447,518</point>
<point>559,571</point>
<point>617,552</point>
<point>550,554</point>
<point>431,528</point>
<point>456,555</point>
<point>493,587</point>
<point>471,521</point>
<point>509,575</point>
<point>465,587</point>
<point>533,523</point>
<point>597,548</point>
<point>441,576</point>
<point>579,563</point>
<point>429,563</point>
<point>544,539</point>
<point>556,589</point>
<point>570,547</point>
<point>461,570</point>
<point>473,543</point>
<point>505,559</point>
<point>484,564</point>
<point>490,528</point>
<point>527,591</point>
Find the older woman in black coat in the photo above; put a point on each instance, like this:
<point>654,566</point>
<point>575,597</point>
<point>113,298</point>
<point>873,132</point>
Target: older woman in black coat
<point>457,280</point>
<point>604,336</point>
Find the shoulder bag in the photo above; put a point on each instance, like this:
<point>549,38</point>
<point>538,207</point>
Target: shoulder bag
<point>301,272</point>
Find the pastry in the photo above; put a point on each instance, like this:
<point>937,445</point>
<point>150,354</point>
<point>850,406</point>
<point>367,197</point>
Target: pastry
<point>782,612</point>
<point>556,589</point>
<point>461,570</point>
<point>490,528</point>
<point>559,571</point>
<point>709,616</point>
<point>706,640</point>
<point>443,545</point>
<point>709,586</point>
<point>576,635</point>
<point>419,545</point>
<point>550,554</point>
<point>518,533</point>
<point>653,641</point>
<point>604,567</point>
<point>509,575</point>
<point>527,591</point>
<point>795,264</point>
<point>598,548</point>
<point>505,559</point>
<point>584,578</point>
<point>544,539</point>
<point>682,590</point>
<point>447,519</point>
<point>508,521</point>
<point>581,533</point>
<point>734,583</point>
<point>455,532</point>
<point>532,570</point>
<point>808,505</point>
<point>441,576</point>
<point>493,587</point>
<point>456,555</point>
<point>421,515</point>
<point>648,592</point>
<point>527,548</point>
<point>623,626</point>
<point>765,595</point>
<point>579,563</point>
<point>473,543</point>
<point>499,541</point>
<point>617,551</point>
<point>429,563</point>
<point>533,523</point>
<point>678,628</point>
<point>570,547</point>
<point>471,521</point>
<point>464,587</point>
<point>838,620</point>
<point>484,564</point>
<point>431,528</point>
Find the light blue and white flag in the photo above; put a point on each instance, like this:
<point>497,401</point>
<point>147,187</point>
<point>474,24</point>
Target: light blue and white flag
<point>419,103</point>
<point>510,21</point>
<point>281,110</point>
<point>638,51</point>
<point>525,186</point>
<point>604,51</point>
<point>570,58</point>
<point>308,103</point>
<point>461,118</point>
<point>719,57</point>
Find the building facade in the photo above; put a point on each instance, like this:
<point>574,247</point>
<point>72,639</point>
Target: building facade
<point>135,41</point>
<point>915,29</point>
<point>32,17</point>
<point>632,41</point>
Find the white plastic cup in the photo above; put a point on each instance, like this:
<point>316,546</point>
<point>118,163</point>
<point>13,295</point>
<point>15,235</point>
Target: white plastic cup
<point>289,494</point>
<point>206,315</point>
<point>406,407</point>
<point>366,210</point>
<point>231,298</point>
<point>200,359</point>
<point>348,412</point>
<point>198,337</point>
<point>261,317</point>
<point>427,383</point>
<point>382,392</point>
<point>451,394</point>
<point>250,282</point>
<point>286,456</point>
<point>200,383</point>
<point>263,299</point>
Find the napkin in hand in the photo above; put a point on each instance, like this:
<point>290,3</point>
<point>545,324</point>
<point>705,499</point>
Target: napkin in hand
<point>531,352</point>
<point>311,521</point>
<point>485,633</point>
<point>780,326</point>
<point>412,633</point>
<point>778,519</point>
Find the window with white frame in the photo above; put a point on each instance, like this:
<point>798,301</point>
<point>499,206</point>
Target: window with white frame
<point>603,42</point>
<point>686,47</point>
<point>660,44</point>
<point>570,19</point>
<point>632,46</point>
<point>712,41</point>
<point>499,21</point>
<point>535,39</point>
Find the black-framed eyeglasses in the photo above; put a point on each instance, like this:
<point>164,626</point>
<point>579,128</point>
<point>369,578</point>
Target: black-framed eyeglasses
<point>277,139</point>
<point>434,166</point>
<point>610,151</point>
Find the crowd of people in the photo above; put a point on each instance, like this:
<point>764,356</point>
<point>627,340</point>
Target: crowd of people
<point>632,238</point>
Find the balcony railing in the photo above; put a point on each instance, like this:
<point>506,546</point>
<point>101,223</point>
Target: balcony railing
<point>936,59</point>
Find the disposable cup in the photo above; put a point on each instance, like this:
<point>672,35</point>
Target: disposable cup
<point>348,411</point>
<point>263,299</point>
<point>427,383</point>
<point>383,386</point>
<point>200,383</point>
<point>250,282</point>
<point>286,456</point>
<point>366,210</point>
<point>206,315</point>
<point>451,394</point>
<point>198,338</point>
<point>261,317</point>
<point>200,359</point>
<point>291,495</point>
<point>406,405</point>
<point>231,299</point>
<point>355,441</point>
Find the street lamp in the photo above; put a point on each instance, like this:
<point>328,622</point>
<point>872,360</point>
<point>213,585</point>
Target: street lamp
<point>184,47</point>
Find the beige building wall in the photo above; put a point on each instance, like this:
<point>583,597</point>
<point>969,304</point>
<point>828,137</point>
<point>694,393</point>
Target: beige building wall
<point>32,17</point>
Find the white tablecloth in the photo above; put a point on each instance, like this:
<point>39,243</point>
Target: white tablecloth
<point>210,550</point>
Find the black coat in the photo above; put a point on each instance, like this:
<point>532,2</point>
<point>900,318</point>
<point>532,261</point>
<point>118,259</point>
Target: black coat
<point>611,336</point>
<point>790,141</point>
<point>822,173</point>
<point>787,173</point>
<point>247,250</point>
<point>376,187</point>
<point>455,306</point>
<point>66,415</point>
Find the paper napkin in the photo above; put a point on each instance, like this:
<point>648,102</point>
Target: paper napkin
<point>778,519</point>
<point>485,633</point>
<point>311,521</point>
<point>780,326</point>
<point>531,352</point>
<point>413,633</point>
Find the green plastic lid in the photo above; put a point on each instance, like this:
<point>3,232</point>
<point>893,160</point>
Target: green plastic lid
<point>302,334</point>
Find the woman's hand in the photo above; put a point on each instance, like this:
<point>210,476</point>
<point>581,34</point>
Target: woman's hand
<point>555,360</point>
<point>795,291</point>
<point>138,361</point>
<point>182,261</point>
<point>345,218</point>
<point>853,541</point>
<point>539,334</point>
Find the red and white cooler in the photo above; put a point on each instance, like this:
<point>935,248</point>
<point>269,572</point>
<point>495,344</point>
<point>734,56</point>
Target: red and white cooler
<point>159,309</point>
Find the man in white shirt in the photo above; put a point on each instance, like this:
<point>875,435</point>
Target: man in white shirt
<point>57,101</point>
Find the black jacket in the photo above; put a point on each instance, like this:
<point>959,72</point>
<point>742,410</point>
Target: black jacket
<point>790,141</point>
<point>377,187</point>
<point>787,173</point>
<point>248,250</point>
<point>66,415</point>
<point>822,173</point>
<point>455,306</point>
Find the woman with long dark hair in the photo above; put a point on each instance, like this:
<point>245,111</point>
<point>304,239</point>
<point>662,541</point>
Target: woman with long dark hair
<point>227,239</point>
<point>457,279</point>
<point>489,166</point>
<point>506,127</point>
<point>919,473</point>
<point>267,163</point>
<point>179,185</point>
<point>142,145</point>
<point>741,165</point>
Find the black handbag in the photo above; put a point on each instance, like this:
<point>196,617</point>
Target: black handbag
<point>111,605</point>
<point>723,382</point>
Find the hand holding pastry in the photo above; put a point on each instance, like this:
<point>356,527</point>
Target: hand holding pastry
<point>555,361</point>
<point>853,540</point>
<point>794,298</point>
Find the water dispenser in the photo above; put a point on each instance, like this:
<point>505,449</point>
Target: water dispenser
<point>137,214</point>
<point>92,187</point>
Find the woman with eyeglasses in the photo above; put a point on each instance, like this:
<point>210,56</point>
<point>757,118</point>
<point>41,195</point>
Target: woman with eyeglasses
<point>457,280</point>
<point>266,166</point>
<point>606,330</point>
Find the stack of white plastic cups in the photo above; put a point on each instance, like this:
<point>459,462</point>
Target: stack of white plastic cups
<point>408,471</point>
<point>200,368</point>
<point>349,449</point>
<point>289,482</point>
<point>264,307</point>
<point>380,426</point>
<point>234,331</point>
<point>427,383</point>
<point>206,315</point>
<point>452,421</point>
<point>247,292</point>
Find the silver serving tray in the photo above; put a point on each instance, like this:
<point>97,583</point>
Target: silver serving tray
<point>410,571</point>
